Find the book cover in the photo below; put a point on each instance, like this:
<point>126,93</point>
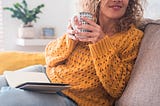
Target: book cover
<point>34,81</point>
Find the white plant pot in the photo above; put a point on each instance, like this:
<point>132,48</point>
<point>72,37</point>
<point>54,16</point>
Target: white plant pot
<point>26,32</point>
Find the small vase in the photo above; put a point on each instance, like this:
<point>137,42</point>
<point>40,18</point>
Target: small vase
<point>26,32</point>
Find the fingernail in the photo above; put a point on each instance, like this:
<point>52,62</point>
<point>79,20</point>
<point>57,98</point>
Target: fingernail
<point>75,18</point>
<point>77,31</point>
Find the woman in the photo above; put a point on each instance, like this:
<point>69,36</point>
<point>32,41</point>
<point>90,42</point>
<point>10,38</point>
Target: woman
<point>97,63</point>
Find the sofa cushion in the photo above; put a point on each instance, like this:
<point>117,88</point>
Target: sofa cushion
<point>17,60</point>
<point>143,88</point>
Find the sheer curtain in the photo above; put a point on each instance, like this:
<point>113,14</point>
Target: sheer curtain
<point>1,28</point>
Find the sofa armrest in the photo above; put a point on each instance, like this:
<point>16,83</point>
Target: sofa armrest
<point>143,88</point>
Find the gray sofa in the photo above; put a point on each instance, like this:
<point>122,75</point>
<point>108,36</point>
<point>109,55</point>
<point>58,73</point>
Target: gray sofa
<point>143,88</point>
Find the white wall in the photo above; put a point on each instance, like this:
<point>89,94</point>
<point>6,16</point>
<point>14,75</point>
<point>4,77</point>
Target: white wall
<point>72,7</point>
<point>55,14</point>
<point>152,9</point>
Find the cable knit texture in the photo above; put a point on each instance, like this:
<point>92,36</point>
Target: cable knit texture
<point>97,72</point>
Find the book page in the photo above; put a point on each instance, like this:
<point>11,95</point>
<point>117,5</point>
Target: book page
<point>15,79</point>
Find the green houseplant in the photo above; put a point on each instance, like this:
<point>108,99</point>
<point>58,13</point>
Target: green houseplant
<point>23,13</point>
<point>26,15</point>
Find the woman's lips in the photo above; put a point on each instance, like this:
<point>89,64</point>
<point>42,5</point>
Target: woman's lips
<point>115,7</point>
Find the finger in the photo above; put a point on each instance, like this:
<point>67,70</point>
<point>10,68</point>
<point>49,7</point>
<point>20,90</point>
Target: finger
<point>87,27</point>
<point>69,26</point>
<point>70,32</point>
<point>72,37</point>
<point>87,34</point>
<point>70,29</point>
<point>87,40</point>
<point>75,22</point>
<point>81,37</point>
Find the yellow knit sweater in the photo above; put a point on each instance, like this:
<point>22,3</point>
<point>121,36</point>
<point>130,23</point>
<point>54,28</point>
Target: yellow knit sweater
<point>97,72</point>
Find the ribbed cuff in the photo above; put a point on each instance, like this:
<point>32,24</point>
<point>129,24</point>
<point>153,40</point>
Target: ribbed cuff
<point>70,43</point>
<point>101,47</point>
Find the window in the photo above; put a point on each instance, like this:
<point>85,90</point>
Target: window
<point>1,28</point>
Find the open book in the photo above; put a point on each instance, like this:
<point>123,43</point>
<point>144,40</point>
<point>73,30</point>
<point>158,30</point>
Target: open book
<point>34,81</point>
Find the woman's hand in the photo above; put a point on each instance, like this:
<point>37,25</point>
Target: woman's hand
<point>71,29</point>
<point>93,36</point>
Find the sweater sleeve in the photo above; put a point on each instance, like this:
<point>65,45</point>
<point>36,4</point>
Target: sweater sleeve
<point>113,66</point>
<point>58,50</point>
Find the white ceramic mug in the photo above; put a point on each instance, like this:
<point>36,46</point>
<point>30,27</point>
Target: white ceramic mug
<point>82,14</point>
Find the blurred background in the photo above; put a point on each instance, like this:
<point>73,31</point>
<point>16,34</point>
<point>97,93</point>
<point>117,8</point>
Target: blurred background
<point>55,14</point>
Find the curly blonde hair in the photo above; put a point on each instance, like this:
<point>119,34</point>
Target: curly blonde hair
<point>133,15</point>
